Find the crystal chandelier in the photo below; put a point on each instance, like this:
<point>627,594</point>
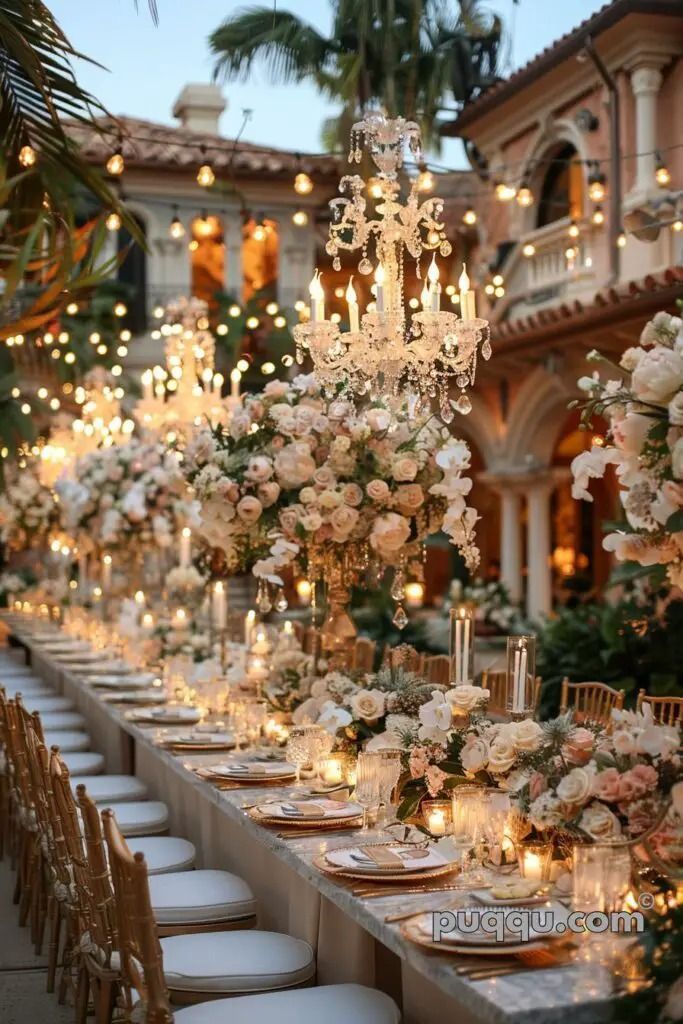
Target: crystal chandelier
<point>188,391</point>
<point>388,348</point>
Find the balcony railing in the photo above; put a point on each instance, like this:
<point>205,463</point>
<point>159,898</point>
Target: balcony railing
<point>558,262</point>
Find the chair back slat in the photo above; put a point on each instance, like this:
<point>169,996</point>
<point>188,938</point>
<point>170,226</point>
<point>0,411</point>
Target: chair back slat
<point>590,702</point>
<point>141,959</point>
<point>363,654</point>
<point>437,669</point>
<point>667,710</point>
<point>103,917</point>
<point>497,684</point>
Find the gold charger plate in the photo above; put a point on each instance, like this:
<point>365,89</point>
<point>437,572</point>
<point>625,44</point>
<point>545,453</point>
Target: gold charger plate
<point>199,748</point>
<point>385,876</point>
<point>320,824</point>
<point>411,931</point>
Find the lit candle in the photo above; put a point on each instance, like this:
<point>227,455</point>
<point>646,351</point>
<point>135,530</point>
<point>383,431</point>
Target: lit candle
<point>315,290</point>
<point>304,591</point>
<point>147,382</point>
<point>219,606</point>
<point>436,822</point>
<point>106,573</point>
<point>414,594</point>
<point>249,620</point>
<point>148,621</point>
<point>185,547</point>
<point>379,288</point>
<point>425,298</point>
<point>235,378</point>
<point>352,300</point>
<point>332,771</point>
<point>261,644</point>
<point>467,299</point>
<point>434,286</point>
<point>533,866</point>
<point>179,620</point>
<point>218,384</point>
<point>140,598</point>
<point>516,700</point>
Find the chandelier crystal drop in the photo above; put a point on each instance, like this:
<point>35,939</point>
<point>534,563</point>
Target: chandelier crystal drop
<point>387,348</point>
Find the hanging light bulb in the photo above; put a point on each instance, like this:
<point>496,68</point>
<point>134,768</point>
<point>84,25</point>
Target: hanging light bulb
<point>120,309</point>
<point>375,188</point>
<point>303,185</point>
<point>529,250</point>
<point>469,216</point>
<point>205,175</point>
<point>598,216</point>
<point>497,280</point>
<point>662,173</point>
<point>677,225</point>
<point>573,229</point>
<point>72,309</point>
<point>259,233</point>
<point>113,221</point>
<point>525,196</point>
<point>176,228</point>
<point>425,179</point>
<point>300,218</point>
<point>27,156</point>
<point>597,184</point>
<point>621,239</point>
<point>505,192</point>
<point>115,164</point>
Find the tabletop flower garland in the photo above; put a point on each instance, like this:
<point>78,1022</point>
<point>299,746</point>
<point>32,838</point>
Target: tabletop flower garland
<point>127,496</point>
<point>294,471</point>
<point>643,402</point>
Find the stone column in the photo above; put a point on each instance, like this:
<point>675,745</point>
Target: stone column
<point>539,580</point>
<point>296,261</point>
<point>510,541</point>
<point>234,277</point>
<point>645,84</point>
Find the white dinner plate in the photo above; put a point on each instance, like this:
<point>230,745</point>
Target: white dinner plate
<point>122,682</point>
<point>484,937</point>
<point>330,809</point>
<point>240,770</point>
<point>167,716</point>
<point>199,740</point>
<point>152,695</point>
<point>413,859</point>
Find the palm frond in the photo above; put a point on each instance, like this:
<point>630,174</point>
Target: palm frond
<point>290,47</point>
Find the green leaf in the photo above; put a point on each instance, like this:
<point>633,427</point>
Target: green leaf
<point>674,523</point>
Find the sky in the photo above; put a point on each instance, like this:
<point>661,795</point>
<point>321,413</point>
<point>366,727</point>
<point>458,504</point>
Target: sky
<point>147,65</point>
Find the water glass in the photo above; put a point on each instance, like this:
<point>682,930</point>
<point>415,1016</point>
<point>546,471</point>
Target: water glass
<point>470,816</point>
<point>367,791</point>
<point>303,746</point>
<point>389,767</point>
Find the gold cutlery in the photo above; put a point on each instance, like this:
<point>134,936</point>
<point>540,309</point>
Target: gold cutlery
<point>304,833</point>
<point>368,894</point>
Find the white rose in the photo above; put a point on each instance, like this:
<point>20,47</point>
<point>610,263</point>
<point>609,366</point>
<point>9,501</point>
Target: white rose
<point>658,740</point>
<point>576,786</point>
<point>527,735</point>
<point>404,468</point>
<point>631,358</point>
<point>259,469</point>
<point>676,410</point>
<point>502,754</point>
<point>599,822</point>
<point>368,705</point>
<point>294,465</point>
<point>378,419</point>
<point>474,755</point>
<point>249,509</point>
<point>330,499</point>
<point>658,375</point>
<point>465,697</point>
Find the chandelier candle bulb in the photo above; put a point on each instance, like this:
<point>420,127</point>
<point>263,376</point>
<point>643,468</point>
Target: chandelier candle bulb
<point>106,573</point>
<point>219,606</point>
<point>235,378</point>
<point>249,622</point>
<point>434,286</point>
<point>465,294</point>
<point>352,300</point>
<point>185,547</point>
<point>140,598</point>
<point>315,290</point>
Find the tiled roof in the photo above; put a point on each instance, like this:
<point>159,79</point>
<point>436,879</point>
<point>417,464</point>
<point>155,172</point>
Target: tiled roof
<point>149,144</point>
<point>573,316</point>
<point>564,47</point>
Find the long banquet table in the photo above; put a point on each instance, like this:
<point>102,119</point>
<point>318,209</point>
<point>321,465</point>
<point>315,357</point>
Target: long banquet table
<point>350,936</point>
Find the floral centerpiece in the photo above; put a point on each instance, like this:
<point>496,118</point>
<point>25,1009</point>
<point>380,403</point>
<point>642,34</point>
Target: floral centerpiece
<point>643,402</point>
<point>130,496</point>
<point>28,510</point>
<point>297,477</point>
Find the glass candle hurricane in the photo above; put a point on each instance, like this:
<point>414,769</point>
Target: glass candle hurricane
<point>521,675</point>
<point>534,859</point>
<point>461,645</point>
<point>438,816</point>
<point>601,875</point>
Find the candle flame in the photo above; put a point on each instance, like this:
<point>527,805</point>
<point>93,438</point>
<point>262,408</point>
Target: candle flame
<point>187,532</point>
<point>315,288</point>
<point>147,377</point>
<point>218,587</point>
<point>433,272</point>
<point>380,276</point>
<point>464,281</point>
<point>351,296</point>
<point>235,376</point>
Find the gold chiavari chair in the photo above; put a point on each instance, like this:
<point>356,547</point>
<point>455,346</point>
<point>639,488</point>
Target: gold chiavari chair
<point>437,669</point>
<point>298,629</point>
<point>667,710</point>
<point>143,973</point>
<point>497,685</point>
<point>590,702</point>
<point>363,654</point>
<point>311,641</point>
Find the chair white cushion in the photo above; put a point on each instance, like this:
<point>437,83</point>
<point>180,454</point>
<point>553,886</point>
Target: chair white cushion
<point>87,762</point>
<point>106,789</point>
<point>27,688</point>
<point>68,742</point>
<point>141,817</point>
<point>48,704</point>
<point>330,1004</point>
<point>200,897</point>
<point>165,853</point>
<point>238,962</point>
<point>61,721</point>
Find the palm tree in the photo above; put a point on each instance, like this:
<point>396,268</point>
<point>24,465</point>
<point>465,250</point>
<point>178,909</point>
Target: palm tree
<point>408,56</point>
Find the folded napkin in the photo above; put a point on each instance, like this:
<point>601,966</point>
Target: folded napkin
<point>249,769</point>
<point>382,856</point>
<point>303,809</point>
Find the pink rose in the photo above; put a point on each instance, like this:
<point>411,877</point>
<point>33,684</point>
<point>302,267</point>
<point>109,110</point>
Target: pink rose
<point>294,465</point>
<point>389,534</point>
<point>343,520</point>
<point>537,785</point>
<point>324,478</point>
<point>249,509</point>
<point>404,469</point>
<point>579,746</point>
<point>409,498</point>
<point>606,785</point>
<point>378,490</point>
<point>259,469</point>
<point>419,762</point>
<point>269,493</point>
<point>353,495</point>
<point>435,779</point>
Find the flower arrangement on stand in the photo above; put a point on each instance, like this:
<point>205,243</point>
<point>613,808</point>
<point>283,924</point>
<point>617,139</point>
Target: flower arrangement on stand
<point>28,510</point>
<point>643,402</point>
<point>300,480</point>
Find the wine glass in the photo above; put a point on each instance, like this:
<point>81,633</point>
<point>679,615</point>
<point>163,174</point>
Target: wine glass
<point>367,791</point>
<point>302,743</point>
<point>389,766</point>
<point>469,822</point>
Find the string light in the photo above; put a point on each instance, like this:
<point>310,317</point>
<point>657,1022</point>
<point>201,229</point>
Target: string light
<point>525,196</point>
<point>120,309</point>
<point>268,368</point>
<point>205,174</point>
<point>242,365</point>
<point>469,217</point>
<point>234,310</point>
<point>176,229</point>
<point>598,216</point>
<point>497,280</point>
<point>621,239</point>
<point>252,323</point>
<point>113,221</point>
<point>272,308</point>
<point>72,309</point>
<point>300,218</point>
<point>505,192</point>
<point>303,184</point>
<point>115,164</point>
<point>27,156</point>
<point>259,233</point>
<point>425,179</point>
<point>677,225</point>
<point>662,175</point>
<point>597,184</point>
<point>529,250</point>
<point>280,322</point>
<point>573,229</point>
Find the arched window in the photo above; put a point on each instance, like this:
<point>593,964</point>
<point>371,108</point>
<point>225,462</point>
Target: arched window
<point>207,258</point>
<point>260,244</point>
<point>561,192</point>
<point>133,272</point>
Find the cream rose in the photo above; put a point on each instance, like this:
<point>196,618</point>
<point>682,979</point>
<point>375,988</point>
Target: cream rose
<point>389,534</point>
<point>465,697</point>
<point>404,468</point>
<point>474,755</point>
<point>575,787</point>
<point>368,705</point>
<point>353,495</point>
<point>501,754</point>
<point>259,469</point>
<point>527,735</point>
<point>269,493</point>
<point>330,499</point>
<point>676,410</point>
<point>294,465</point>
<point>409,498</point>
<point>249,509</point>
<point>378,490</point>
<point>324,478</point>
<point>343,520</point>
<point>378,419</point>
<point>599,822</point>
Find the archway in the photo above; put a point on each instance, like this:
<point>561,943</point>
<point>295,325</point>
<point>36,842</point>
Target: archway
<point>560,189</point>
<point>207,258</point>
<point>260,253</point>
